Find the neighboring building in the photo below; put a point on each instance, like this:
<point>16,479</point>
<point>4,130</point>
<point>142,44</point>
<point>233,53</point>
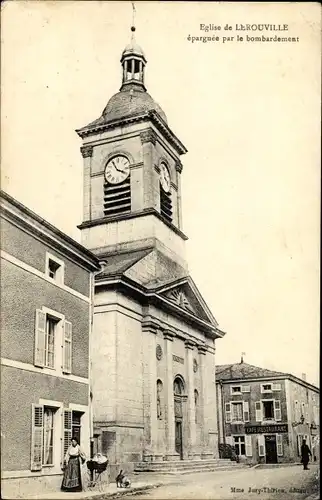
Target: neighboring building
<point>46,290</point>
<point>154,336</point>
<point>265,414</point>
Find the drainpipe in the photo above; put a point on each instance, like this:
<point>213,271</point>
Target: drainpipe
<point>223,412</point>
<point>92,295</point>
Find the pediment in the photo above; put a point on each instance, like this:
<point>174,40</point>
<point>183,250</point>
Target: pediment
<point>186,296</point>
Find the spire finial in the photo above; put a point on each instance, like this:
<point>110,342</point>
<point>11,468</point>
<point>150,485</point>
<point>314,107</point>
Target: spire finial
<point>133,19</point>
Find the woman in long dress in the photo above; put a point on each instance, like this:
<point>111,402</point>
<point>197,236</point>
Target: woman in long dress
<point>72,480</point>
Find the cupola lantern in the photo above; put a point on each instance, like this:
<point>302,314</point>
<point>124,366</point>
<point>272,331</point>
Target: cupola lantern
<point>133,62</point>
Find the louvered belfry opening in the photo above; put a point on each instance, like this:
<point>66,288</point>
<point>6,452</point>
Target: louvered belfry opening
<point>165,204</point>
<point>117,198</point>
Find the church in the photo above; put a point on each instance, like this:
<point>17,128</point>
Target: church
<point>153,384</point>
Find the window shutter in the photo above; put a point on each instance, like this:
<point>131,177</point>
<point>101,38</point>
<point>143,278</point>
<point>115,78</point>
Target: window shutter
<point>261,445</point>
<point>40,334</point>
<point>258,411</point>
<point>279,444</point>
<point>245,388</point>
<point>248,446</point>
<point>246,411</point>
<point>296,411</point>
<point>276,387</point>
<point>228,412</point>
<point>37,420</point>
<point>67,347</point>
<point>67,430</point>
<point>229,440</point>
<point>277,410</point>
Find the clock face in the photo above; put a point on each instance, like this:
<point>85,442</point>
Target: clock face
<point>165,177</point>
<point>117,169</point>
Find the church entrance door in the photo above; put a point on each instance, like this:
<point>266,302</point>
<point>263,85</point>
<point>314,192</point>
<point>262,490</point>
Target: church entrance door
<point>178,389</point>
<point>178,438</point>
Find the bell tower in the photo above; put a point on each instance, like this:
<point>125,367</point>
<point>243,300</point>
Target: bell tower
<point>132,170</point>
<point>151,326</point>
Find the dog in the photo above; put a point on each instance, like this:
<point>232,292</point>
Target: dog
<point>122,481</point>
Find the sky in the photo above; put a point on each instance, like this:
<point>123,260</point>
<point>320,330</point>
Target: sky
<point>248,113</point>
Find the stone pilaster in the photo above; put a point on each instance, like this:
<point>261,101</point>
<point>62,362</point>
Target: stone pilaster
<point>87,153</point>
<point>150,452</point>
<point>192,451</point>
<point>151,195</point>
<point>171,454</point>
<point>205,450</point>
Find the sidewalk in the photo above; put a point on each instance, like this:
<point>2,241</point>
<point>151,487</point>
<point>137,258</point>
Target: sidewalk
<point>106,491</point>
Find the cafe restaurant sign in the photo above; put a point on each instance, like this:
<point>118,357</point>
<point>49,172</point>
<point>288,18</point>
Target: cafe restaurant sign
<point>266,429</point>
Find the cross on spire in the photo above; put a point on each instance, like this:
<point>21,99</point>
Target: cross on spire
<point>133,19</point>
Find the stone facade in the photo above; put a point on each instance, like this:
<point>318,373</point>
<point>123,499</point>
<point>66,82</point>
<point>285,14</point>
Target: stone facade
<point>38,388</point>
<point>265,415</point>
<point>153,350</point>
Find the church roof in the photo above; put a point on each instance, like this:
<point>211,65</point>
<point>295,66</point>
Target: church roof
<point>161,280</point>
<point>243,371</point>
<point>131,100</point>
<point>120,262</point>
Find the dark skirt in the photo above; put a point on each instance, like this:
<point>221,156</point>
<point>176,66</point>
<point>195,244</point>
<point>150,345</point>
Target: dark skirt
<point>72,480</point>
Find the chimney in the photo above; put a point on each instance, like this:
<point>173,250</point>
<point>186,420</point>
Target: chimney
<point>242,357</point>
<point>304,376</point>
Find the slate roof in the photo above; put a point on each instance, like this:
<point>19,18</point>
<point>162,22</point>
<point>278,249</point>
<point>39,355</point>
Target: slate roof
<point>120,262</point>
<point>132,100</point>
<point>243,371</point>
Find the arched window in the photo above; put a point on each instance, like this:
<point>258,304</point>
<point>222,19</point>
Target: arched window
<point>159,399</point>
<point>178,390</point>
<point>165,192</point>
<point>196,395</point>
<point>178,387</point>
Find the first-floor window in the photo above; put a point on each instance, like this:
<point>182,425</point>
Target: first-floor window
<point>48,436</point>
<point>237,412</point>
<point>51,334</point>
<point>268,410</point>
<point>239,442</point>
<point>50,341</point>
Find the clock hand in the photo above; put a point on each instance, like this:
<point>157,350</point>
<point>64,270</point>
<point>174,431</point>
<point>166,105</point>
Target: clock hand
<point>118,169</point>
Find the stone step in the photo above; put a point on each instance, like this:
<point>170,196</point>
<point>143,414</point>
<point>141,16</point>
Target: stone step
<point>182,465</point>
<point>210,469</point>
<point>200,465</point>
<point>190,470</point>
<point>175,463</point>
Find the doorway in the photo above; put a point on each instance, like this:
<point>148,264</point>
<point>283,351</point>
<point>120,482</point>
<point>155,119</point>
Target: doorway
<point>271,449</point>
<point>178,438</point>
<point>178,389</point>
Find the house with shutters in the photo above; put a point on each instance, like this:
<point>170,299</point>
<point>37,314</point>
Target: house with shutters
<point>265,414</point>
<point>46,293</point>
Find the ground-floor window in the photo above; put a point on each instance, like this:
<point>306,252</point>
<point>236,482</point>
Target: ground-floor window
<point>76,424</point>
<point>52,431</point>
<point>239,443</point>
<point>48,436</point>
